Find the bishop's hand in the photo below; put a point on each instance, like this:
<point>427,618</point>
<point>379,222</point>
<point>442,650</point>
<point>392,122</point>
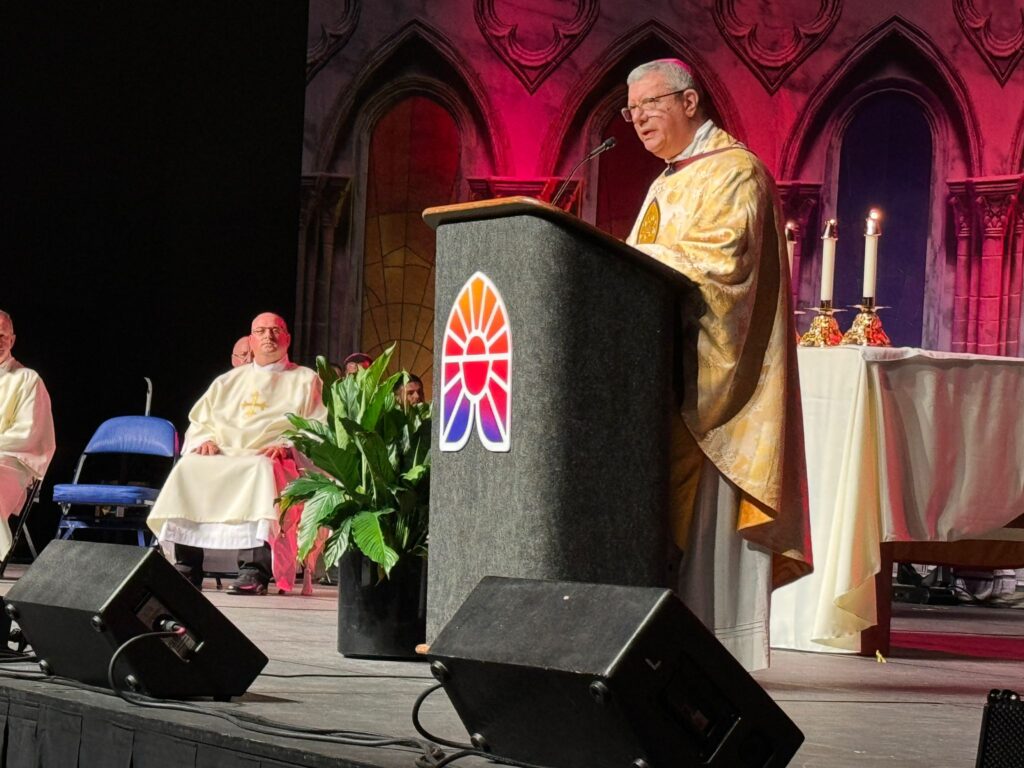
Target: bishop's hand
<point>209,448</point>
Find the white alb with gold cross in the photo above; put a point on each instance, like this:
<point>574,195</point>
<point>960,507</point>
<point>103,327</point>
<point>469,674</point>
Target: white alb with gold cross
<point>226,501</point>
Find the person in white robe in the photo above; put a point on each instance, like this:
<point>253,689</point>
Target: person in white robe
<point>26,431</point>
<point>235,461</point>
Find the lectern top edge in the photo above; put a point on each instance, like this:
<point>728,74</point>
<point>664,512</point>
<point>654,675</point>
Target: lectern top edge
<point>498,208</point>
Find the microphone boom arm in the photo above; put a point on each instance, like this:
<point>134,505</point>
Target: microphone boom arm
<point>604,146</point>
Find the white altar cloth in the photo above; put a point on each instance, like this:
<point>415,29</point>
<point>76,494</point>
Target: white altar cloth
<point>902,445</point>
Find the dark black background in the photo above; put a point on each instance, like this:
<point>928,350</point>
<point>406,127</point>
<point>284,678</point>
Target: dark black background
<point>149,191</point>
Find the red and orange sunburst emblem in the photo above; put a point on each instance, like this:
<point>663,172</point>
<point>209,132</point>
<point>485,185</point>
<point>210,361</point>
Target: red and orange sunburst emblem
<point>476,369</point>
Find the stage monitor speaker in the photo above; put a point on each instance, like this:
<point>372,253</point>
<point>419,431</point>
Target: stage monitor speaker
<point>1002,731</point>
<point>80,601</point>
<point>600,676</point>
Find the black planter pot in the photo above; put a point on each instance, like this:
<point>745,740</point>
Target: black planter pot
<point>381,619</point>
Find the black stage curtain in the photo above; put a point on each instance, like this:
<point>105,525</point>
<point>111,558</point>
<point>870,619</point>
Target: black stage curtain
<point>42,731</point>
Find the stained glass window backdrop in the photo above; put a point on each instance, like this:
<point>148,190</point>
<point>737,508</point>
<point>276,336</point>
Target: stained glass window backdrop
<point>414,163</point>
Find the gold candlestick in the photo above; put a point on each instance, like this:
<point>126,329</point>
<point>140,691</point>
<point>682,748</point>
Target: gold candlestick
<point>867,330</point>
<point>824,330</point>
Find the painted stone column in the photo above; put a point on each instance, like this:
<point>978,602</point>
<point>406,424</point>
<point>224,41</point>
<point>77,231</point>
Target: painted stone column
<point>961,219</point>
<point>323,198</point>
<point>995,202</point>
<point>1016,255</point>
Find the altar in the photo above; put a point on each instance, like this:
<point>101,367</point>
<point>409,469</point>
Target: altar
<point>907,451</point>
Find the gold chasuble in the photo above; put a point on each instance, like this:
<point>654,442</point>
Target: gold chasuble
<point>714,218</point>
<point>26,439</point>
<point>226,501</point>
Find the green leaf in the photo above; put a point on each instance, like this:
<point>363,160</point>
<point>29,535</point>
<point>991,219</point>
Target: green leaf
<point>323,512</point>
<point>341,464</point>
<point>375,454</point>
<point>380,400</point>
<point>416,473</point>
<point>301,488</point>
<point>369,379</point>
<point>368,535</point>
<point>337,544</point>
<point>308,425</point>
<point>325,371</point>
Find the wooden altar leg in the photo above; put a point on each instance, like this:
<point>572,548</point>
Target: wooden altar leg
<point>876,639</point>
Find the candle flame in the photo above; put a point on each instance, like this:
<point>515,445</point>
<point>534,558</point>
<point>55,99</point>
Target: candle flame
<point>831,230</point>
<point>791,228</point>
<point>872,224</point>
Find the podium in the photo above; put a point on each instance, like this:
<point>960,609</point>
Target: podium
<point>577,330</point>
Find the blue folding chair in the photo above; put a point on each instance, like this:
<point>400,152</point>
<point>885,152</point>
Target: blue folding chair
<point>122,504</point>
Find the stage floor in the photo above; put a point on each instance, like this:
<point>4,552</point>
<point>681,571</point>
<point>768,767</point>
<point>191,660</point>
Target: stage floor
<point>921,708</point>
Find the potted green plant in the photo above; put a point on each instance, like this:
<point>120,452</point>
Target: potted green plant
<point>371,493</point>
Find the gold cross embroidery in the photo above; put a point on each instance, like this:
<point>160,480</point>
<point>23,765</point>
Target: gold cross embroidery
<point>253,404</point>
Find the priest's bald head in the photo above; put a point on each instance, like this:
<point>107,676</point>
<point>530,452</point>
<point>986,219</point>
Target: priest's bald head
<point>241,353</point>
<point>6,336</point>
<point>269,338</point>
<point>665,106</point>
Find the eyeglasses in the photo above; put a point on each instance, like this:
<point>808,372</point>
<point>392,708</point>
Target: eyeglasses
<point>268,331</point>
<point>650,104</point>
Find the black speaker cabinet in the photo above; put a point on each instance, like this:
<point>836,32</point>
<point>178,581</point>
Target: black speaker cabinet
<point>80,601</point>
<point>600,676</point>
<point>1002,731</point>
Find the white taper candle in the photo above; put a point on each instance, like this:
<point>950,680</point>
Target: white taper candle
<point>790,244</point>
<point>828,258</point>
<point>872,233</point>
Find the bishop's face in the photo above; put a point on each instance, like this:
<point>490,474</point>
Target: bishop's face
<point>269,338</point>
<point>6,339</point>
<point>663,125</point>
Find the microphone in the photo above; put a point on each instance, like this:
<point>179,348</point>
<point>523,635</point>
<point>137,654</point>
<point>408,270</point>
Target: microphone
<point>604,146</point>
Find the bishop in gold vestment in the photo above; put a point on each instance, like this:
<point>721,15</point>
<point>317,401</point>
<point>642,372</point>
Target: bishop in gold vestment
<point>26,431</point>
<point>738,465</point>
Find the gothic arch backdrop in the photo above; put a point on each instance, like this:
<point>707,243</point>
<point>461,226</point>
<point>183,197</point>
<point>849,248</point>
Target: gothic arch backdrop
<point>891,59</point>
<point>414,162</point>
<point>416,60</point>
<point>886,161</point>
<point>531,87</point>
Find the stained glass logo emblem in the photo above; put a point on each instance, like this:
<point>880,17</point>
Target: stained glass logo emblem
<point>476,368</point>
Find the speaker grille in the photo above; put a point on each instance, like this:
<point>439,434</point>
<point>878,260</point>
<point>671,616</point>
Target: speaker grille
<point>1002,731</point>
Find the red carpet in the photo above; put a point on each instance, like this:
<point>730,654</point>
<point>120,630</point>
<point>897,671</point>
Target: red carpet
<point>1009,647</point>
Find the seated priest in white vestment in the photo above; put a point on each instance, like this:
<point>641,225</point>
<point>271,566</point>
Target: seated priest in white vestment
<point>221,494</point>
<point>738,507</point>
<point>26,431</point>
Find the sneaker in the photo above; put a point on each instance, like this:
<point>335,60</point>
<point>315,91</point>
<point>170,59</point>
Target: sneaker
<point>250,581</point>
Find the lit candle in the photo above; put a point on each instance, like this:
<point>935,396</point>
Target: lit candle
<point>828,258</point>
<point>790,244</point>
<point>872,231</point>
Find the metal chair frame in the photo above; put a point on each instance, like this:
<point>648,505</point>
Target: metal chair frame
<point>31,497</point>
